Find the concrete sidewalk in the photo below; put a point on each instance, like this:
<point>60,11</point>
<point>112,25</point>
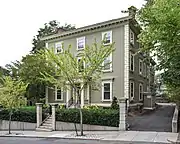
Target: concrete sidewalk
<point>128,136</point>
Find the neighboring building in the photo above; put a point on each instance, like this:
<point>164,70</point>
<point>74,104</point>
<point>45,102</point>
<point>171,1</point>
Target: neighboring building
<point>128,76</point>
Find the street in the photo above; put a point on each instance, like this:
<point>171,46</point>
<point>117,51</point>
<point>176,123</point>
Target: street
<point>11,140</point>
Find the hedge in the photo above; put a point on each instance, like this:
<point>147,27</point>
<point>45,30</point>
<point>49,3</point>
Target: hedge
<point>105,117</point>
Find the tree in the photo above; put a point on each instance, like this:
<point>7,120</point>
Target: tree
<point>30,70</point>
<point>12,95</point>
<point>71,71</point>
<point>161,28</point>
<point>53,27</point>
<point>114,104</point>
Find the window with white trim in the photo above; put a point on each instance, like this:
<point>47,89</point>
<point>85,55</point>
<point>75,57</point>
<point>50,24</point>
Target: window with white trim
<point>80,43</point>
<point>106,90</point>
<point>131,90</point>
<point>107,37</point>
<point>59,47</point>
<point>140,91</point>
<point>131,61</point>
<point>131,37</point>
<point>140,66</point>
<point>107,64</point>
<point>81,64</point>
<point>58,93</point>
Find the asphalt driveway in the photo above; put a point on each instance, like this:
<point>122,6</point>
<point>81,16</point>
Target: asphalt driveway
<point>158,120</point>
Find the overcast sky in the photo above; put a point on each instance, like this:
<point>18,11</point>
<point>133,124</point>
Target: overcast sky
<point>20,19</point>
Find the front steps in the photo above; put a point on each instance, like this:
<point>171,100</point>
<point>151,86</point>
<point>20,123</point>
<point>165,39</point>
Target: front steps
<point>46,125</point>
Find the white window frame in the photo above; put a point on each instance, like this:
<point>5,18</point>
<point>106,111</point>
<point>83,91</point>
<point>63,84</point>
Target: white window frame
<point>104,33</point>
<point>140,72</point>
<point>111,65</point>
<point>131,82</point>
<point>79,58</point>
<point>105,82</point>
<point>132,34</point>
<point>140,85</point>
<point>131,54</point>
<point>84,44</point>
<point>58,43</point>
<point>62,94</point>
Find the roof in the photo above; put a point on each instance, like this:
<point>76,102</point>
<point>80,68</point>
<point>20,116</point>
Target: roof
<point>88,28</point>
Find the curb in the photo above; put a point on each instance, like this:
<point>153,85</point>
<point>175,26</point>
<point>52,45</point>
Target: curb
<point>67,138</point>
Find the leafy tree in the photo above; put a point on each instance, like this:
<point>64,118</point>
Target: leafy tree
<point>70,71</point>
<point>30,70</point>
<point>160,34</point>
<point>53,27</point>
<point>12,95</point>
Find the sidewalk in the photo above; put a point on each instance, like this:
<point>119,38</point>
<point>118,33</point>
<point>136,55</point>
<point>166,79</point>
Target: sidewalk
<point>128,136</point>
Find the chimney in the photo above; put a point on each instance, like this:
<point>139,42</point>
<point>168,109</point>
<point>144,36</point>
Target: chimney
<point>132,11</point>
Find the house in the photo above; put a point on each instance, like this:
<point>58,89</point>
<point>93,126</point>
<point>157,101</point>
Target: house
<point>130,73</point>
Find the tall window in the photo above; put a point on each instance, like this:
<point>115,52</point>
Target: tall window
<point>59,47</point>
<point>107,64</point>
<point>140,91</point>
<point>148,71</point>
<point>140,66</point>
<point>107,37</point>
<point>131,61</point>
<point>81,64</point>
<point>131,90</point>
<point>107,90</point>
<point>80,43</point>
<point>131,37</point>
<point>58,94</point>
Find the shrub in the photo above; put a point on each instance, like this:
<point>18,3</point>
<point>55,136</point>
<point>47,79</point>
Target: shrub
<point>114,104</point>
<point>105,117</point>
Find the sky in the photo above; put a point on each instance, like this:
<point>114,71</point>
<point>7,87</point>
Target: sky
<point>21,19</point>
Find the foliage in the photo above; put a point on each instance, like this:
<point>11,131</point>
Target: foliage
<point>114,104</point>
<point>160,34</point>
<point>92,107</point>
<point>23,115</point>
<point>12,93</point>
<point>106,117</point>
<point>49,28</point>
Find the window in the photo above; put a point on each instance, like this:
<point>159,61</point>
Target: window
<point>81,64</point>
<point>107,90</point>
<point>107,37</point>
<point>58,94</point>
<point>107,64</point>
<point>140,91</point>
<point>140,66</point>
<point>145,70</point>
<point>148,71</point>
<point>131,62</point>
<point>131,90</point>
<point>59,47</point>
<point>80,43</point>
<point>131,37</point>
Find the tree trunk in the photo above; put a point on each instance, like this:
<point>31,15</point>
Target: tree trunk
<point>10,115</point>
<point>81,121</point>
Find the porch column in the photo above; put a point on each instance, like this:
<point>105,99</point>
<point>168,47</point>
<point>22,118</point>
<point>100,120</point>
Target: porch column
<point>122,114</point>
<point>82,97</point>
<point>38,114</point>
<point>88,93</point>
<point>46,94</point>
<point>53,116</point>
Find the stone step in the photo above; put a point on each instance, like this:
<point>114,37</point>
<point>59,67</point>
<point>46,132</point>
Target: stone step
<point>47,124</point>
<point>43,129</point>
<point>48,121</point>
<point>46,127</point>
